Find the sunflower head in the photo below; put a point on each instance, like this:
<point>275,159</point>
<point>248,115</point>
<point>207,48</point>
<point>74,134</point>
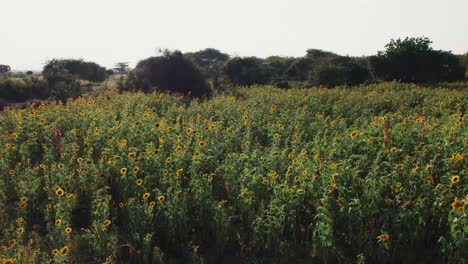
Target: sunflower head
<point>106,223</point>
<point>455,179</point>
<point>64,251</point>
<point>59,192</point>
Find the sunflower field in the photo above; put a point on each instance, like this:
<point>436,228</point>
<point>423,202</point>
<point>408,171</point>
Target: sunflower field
<point>367,174</point>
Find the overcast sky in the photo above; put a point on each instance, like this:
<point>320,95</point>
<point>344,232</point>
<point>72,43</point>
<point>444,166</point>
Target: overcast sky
<point>109,31</point>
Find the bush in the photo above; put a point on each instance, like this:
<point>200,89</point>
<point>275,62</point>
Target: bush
<point>171,72</point>
<point>22,89</point>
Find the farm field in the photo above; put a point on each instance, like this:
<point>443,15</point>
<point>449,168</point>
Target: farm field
<point>370,174</point>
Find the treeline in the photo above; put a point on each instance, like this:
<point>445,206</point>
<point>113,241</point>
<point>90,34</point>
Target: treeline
<point>199,73</point>
<point>407,60</point>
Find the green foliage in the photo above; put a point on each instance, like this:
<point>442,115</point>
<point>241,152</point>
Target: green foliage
<point>277,68</point>
<point>22,89</point>
<point>414,60</point>
<point>340,71</point>
<point>62,79</point>
<point>210,61</point>
<point>246,71</point>
<point>171,72</point>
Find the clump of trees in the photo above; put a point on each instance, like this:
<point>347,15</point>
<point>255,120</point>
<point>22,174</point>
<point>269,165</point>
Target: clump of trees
<point>172,72</point>
<point>414,60</point>
<point>61,80</point>
<point>64,75</point>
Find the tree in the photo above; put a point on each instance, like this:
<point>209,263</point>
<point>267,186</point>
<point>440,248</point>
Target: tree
<point>246,71</point>
<point>122,68</point>
<point>171,72</point>
<point>277,67</point>
<point>339,71</point>
<point>4,69</point>
<point>414,60</point>
<point>210,61</point>
<point>93,72</point>
<point>62,83</point>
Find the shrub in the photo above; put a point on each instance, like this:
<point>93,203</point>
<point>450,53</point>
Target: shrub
<point>171,72</point>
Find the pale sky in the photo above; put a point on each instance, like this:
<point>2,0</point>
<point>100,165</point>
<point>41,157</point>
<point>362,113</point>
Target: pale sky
<point>110,31</point>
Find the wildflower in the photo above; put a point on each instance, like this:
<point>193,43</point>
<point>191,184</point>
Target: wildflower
<point>188,131</point>
<point>121,205</point>
<point>22,205</point>
<point>439,186</point>
<point>161,198</point>
<point>24,199</point>
<point>21,230</point>
<point>60,166</point>
<point>146,196</point>
<point>58,222</point>
<point>106,223</point>
<point>383,237</point>
<point>276,136</point>
<point>69,195</point>
<point>8,261</point>
<point>457,204</point>
<point>290,169</point>
<point>123,171</point>
<point>131,155</point>
<point>135,170</point>
<point>59,192</point>
<point>79,160</point>
<point>152,204</point>
<point>55,251</point>
<point>455,179</point>
<point>68,230</point>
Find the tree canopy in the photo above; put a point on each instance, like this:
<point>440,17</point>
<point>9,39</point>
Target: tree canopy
<point>171,72</point>
<point>414,60</point>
